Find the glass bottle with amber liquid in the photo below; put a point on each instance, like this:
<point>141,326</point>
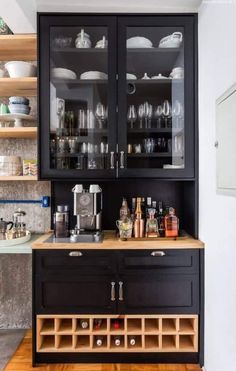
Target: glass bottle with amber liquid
<point>124,210</point>
<point>138,221</point>
<point>171,224</point>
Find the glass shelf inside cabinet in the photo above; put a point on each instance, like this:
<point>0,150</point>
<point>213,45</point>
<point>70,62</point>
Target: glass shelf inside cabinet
<point>155,97</point>
<point>79,135</point>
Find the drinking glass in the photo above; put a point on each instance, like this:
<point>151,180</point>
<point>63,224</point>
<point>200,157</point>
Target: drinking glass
<point>166,110</point>
<point>149,145</point>
<point>101,115</point>
<point>147,114</point>
<point>176,113</point>
<point>132,116</point>
<point>158,115</point>
<point>141,115</point>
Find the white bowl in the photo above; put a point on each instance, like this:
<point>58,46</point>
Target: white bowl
<point>131,76</point>
<point>93,75</point>
<point>63,73</point>
<point>10,165</point>
<point>20,69</point>
<point>1,73</point>
<point>138,42</point>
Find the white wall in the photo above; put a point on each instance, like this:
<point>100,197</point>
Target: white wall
<point>217,72</point>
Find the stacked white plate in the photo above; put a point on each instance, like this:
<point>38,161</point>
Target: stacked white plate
<point>63,73</point>
<point>138,42</point>
<point>93,75</point>
<point>130,76</point>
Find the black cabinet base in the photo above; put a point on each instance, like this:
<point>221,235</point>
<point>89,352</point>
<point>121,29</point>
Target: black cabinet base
<point>117,358</point>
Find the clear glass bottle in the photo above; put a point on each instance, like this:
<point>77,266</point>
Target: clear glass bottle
<point>171,224</point>
<point>151,224</point>
<point>124,210</point>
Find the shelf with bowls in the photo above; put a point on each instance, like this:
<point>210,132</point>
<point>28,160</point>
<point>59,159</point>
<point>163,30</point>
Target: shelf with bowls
<point>80,50</point>
<point>78,81</point>
<point>19,132</point>
<point>155,81</point>
<point>18,47</point>
<point>154,50</point>
<point>23,86</point>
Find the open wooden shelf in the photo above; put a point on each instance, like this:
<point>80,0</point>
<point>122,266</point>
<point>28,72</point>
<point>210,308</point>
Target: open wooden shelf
<point>152,333</point>
<point>20,177</point>
<point>24,86</point>
<point>18,47</point>
<point>19,132</point>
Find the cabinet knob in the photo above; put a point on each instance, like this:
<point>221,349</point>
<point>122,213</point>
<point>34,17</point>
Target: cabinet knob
<point>121,298</point>
<point>158,253</point>
<point>75,253</point>
<point>113,291</point>
<point>216,144</point>
<point>122,159</point>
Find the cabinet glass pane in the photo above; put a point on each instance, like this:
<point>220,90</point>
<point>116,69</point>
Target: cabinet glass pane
<point>155,97</point>
<point>78,98</point>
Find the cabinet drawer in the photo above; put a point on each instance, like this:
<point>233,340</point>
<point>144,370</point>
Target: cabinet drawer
<point>82,261</point>
<point>175,261</point>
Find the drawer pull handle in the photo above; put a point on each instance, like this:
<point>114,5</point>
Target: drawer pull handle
<point>158,253</point>
<point>75,253</point>
<point>121,298</point>
<point>113,291</point>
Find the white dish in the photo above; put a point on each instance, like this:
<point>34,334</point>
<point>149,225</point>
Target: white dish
<point>138,42</point>
<point>171,41</point>
<point>130,76</point>
<point>159,76</point>
<point>93,75</point>
<point>63,73</point>
<point>16,241</point>
<point>1,73</point>
<point>20,69</point>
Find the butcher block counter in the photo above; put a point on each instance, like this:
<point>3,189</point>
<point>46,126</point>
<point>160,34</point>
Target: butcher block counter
<point>111,241</point>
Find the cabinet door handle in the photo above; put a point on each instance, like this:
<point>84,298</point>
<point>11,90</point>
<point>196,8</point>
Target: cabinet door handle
<point>113,291</point>
<point>75,253</point>
<point>158,253</point>
<point>112,160</point>
<point>121,298</point>
<point>122,159</point>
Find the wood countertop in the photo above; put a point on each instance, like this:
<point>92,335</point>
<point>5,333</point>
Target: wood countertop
<point>111,242</point>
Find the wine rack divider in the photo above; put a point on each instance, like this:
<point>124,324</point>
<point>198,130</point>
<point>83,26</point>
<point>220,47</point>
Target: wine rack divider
<point>153,333</point>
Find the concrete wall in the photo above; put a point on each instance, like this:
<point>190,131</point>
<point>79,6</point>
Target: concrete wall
<point>217,72</point>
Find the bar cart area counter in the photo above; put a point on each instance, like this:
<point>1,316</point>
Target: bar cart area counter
<point>117,96</point>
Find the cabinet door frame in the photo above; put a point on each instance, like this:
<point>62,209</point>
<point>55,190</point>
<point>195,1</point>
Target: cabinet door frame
<point>45,21</point>
<point>190,91</point>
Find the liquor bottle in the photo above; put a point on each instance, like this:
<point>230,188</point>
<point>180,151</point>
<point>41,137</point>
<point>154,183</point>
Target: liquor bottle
<point>148,205</point>
<point>132,340</point>
<point>139,221</point>
<point>97,324</point>
<point>143,206</point>
<point>154,206</point>
<point>171,224</point>
<point>84,323</point>
<point>151,224</point>
<point>161,220</point>
<point>117,340</point>
<point>124,210</point>
<point>99,341</point>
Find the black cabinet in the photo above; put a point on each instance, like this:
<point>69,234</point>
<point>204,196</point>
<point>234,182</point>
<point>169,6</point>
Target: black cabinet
<point>129,282</point>
<point>117,96</point>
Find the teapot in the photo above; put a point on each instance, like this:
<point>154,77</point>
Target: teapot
<point>83,40</point>
<point>4,228</point>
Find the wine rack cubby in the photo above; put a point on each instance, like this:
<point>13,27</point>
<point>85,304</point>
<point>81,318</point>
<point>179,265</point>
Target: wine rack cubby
<point>152,333</point>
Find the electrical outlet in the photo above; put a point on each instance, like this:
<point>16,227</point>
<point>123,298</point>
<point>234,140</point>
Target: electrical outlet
<point>45,201</point>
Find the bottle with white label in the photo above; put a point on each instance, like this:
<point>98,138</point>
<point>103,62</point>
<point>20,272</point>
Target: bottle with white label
<point>84,324</point>
<point>117,341</point>
<point>132,340</point>
<point>99,341</point>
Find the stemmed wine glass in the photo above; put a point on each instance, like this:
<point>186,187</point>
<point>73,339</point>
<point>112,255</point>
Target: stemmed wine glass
<point>176,111</point>
<point>101,114</point>
<point>147,114</point>
<point>141,115</point>
<point>132,116</point>
<point>158,115</point>
<point>166,110</point>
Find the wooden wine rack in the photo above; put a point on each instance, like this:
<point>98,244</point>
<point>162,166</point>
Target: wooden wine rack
<point>153,333</point>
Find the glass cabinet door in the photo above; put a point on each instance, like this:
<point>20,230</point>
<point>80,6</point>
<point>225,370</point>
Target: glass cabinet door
<point>81,88</point>
<point>156,117</point>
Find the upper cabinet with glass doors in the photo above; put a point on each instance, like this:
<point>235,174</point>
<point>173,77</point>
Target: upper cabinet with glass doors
<point>117,96</point>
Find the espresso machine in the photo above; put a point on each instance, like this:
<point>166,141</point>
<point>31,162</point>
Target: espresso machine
<point>88,212</point>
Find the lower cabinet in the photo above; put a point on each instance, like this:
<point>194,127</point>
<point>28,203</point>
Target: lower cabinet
<point>154,295</point>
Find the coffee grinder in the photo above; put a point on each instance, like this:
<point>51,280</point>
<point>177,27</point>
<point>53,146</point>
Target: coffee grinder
<point>88,212</point>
